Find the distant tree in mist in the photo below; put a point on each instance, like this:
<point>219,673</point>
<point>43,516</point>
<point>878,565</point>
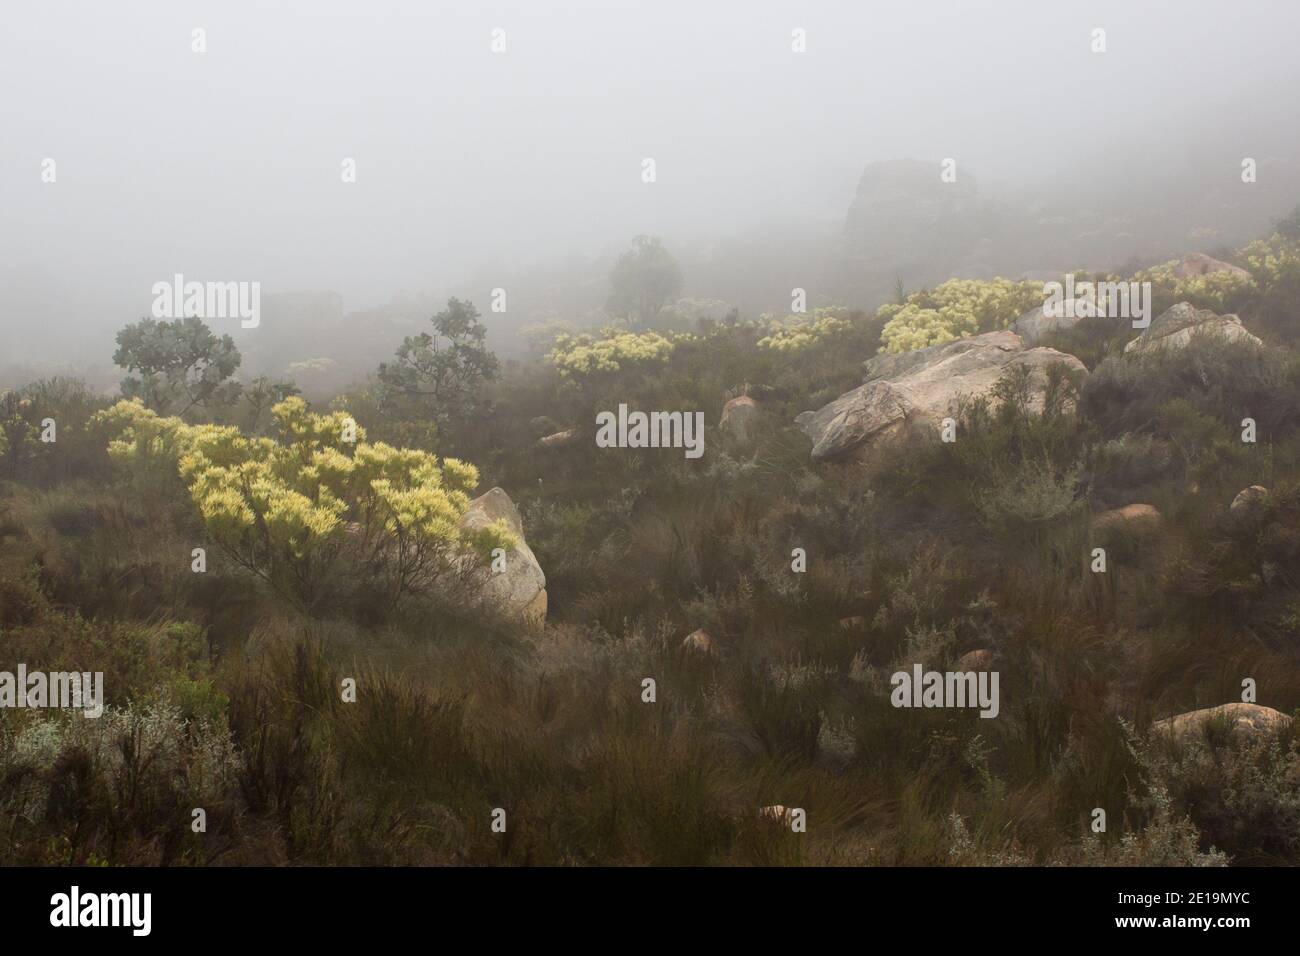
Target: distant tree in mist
<point>261,394</point>
<point>441,375</point>
<point>177,366</point>
<point>1288,227</point>
<point>643,281</point>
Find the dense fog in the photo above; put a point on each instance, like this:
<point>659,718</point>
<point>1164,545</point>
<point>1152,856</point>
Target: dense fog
<point>522,167</point>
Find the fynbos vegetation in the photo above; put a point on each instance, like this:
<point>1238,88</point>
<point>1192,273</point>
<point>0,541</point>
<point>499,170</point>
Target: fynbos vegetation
<point>933,521</point>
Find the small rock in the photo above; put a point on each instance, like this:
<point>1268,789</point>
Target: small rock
<point>738,417</point>
<point>980,659</point>
<point>1247,498</point>
<point>699,641</point>
<point>559,439</point>
<point>1135,516</point>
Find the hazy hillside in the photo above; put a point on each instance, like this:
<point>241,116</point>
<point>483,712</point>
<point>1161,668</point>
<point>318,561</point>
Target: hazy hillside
<point>643,438</point>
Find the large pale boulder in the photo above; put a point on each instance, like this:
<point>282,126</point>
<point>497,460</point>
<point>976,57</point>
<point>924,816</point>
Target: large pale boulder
<point>519,590</point>
<point>1175,328</point>
<point>868,413</point>
<point>924,384</point>
<point>1247,722</point>
<point>1199,264</point>
<point>1044,319</point>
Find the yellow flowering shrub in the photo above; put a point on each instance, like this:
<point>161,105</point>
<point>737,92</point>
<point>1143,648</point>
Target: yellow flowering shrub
<point>1218,291</point>
<point>288,510</point>
<point>18,432</point>
<point>1270,260</point>
<point>614,349</point>
<point>22,427</point>
<point>800,333</point>
<point>956,309</point>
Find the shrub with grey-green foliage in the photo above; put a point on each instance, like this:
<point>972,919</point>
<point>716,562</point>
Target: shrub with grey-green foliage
<point>127,771</point>
<point>1243,795</point>
<point>1036,493</point>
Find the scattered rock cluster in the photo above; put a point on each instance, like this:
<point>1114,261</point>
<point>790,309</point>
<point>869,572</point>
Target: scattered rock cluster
<point>928,383</point>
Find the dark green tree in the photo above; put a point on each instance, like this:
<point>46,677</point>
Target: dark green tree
<point>440,376</point>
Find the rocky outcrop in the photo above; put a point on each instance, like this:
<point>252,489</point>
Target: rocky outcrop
<point>519,590</point>
<point>1247,722</point>
<point>907,223</point>
<point>904,211</point>
<point>738,417</point>
<point>1198,264</point>
<point>1175,328</point>
<point>924,384</point>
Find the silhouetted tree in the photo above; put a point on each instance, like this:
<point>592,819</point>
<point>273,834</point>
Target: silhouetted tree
<point>441,375</point>
<point>643,280</point>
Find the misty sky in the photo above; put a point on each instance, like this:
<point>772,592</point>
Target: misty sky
<point>226,165</point>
